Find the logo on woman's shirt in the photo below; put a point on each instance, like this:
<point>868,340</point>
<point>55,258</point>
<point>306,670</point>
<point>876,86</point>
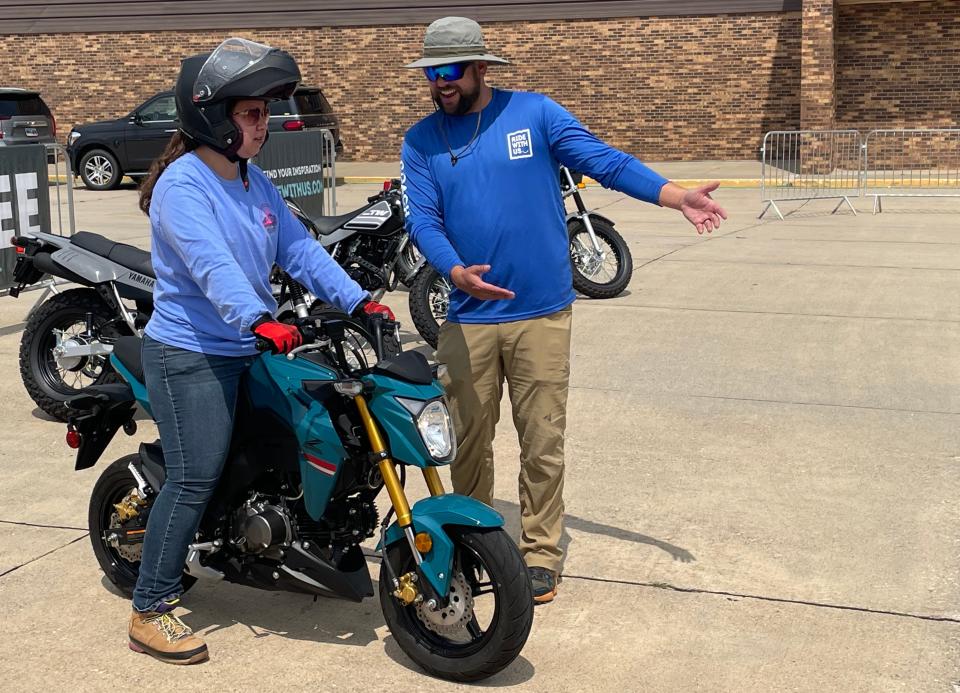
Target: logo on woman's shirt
<point>269,218</point>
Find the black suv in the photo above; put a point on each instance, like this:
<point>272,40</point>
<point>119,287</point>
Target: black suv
<point>25,118</point>
<point>103,153</point>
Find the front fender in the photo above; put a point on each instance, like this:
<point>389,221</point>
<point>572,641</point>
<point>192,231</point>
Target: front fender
<point>434,515</point>
<point>593,217</point>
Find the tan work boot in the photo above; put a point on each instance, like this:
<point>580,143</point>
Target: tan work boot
<point>166,637</point>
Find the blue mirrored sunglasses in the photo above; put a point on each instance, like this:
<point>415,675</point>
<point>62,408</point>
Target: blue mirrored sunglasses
<point>449,73</point>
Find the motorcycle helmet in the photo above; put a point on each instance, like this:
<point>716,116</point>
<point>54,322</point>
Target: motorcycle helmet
<point>209,85</point>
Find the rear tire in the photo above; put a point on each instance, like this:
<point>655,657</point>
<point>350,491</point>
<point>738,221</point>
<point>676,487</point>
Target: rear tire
<point>429,303</point>
<point>488,650</point>
<point>45,379</point>
<point>111,488</point>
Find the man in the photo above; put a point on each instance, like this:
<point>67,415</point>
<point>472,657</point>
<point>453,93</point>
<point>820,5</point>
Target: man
<point>483,204</point>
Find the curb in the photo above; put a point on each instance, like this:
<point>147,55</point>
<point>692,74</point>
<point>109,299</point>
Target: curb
<point>589,182</point>
<point>685,182</point>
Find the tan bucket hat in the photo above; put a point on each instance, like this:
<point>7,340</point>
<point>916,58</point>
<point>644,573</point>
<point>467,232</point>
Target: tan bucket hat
<point>454,40</point>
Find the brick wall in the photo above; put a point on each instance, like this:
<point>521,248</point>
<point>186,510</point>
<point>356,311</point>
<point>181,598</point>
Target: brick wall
<point>898,65</point>
<point>666,88</point>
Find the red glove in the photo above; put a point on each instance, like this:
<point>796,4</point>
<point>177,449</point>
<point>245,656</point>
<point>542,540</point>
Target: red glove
<point>283,338</point>
<point>374,308</point>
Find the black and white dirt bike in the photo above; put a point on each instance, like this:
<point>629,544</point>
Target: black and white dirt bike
<point>371,244</point>
<point>600,258</point>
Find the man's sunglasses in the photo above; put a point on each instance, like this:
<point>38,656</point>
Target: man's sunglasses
<point>449,73</point>
<point>252,116</point>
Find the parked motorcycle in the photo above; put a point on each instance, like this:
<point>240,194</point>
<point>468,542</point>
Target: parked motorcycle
<point>600,258</point>
<point>319,432</point>
<point>370,242</point>
<point>67,339</point>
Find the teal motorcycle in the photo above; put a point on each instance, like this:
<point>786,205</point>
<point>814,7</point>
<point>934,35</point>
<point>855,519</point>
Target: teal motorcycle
<point>319,433</point>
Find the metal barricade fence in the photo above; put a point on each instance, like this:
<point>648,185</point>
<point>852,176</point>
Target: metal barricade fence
<point>808,165</point>
<point>911,163</point>
<point>329,158</point>
<point>36,194</point>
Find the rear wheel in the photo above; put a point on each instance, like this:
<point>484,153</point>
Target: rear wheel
<point>429,303</point>
<point>117,507</point>
<point>62,322</point>
<point>489,615</point>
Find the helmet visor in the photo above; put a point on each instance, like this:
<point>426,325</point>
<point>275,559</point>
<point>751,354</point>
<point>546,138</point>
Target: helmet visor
<point>226,63</point>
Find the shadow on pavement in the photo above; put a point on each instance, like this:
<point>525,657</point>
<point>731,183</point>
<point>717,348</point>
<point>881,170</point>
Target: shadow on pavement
<point>519,671</point>
<point>511,514</point>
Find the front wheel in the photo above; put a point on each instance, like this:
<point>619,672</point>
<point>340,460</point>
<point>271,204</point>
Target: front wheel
<point>52,379</point>
<point>604,273</point>
<point>429,303</point>
<point>99,170</point>
<point>489,615</point>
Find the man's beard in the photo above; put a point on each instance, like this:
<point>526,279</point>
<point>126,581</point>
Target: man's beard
<point>464,103</point>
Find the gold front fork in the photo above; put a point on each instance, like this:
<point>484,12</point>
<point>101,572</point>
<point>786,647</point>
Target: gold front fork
<point>432,477</point>
<point>387,470</point>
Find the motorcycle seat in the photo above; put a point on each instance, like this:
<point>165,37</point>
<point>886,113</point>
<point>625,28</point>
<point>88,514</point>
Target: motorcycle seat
<point>125,255</point>
<point>128,352</point>
<point>327,225</point>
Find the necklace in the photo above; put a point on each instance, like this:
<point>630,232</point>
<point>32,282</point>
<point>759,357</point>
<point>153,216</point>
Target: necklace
<point>455,156</point>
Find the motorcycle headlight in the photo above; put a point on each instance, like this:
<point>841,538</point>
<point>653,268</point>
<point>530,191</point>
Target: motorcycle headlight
<point>435,426</point>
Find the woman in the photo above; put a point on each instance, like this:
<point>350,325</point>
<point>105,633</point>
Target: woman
<point>217,227</point>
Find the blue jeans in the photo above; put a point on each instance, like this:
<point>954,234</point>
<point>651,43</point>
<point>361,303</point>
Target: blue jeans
<point>193,397</point>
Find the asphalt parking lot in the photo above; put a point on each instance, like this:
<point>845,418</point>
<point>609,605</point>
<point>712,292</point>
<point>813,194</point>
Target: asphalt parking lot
<point>762,488</point>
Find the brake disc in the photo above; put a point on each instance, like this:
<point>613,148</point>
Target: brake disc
<point>452,619</point>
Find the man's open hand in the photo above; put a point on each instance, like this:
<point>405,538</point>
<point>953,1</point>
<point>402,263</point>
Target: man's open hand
<point>469,280</point>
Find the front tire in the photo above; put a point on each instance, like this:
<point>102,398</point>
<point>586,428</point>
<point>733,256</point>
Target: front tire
<point>51,382</point>
<point>602,275</point>
<point>429,303</point>
<point>487,566</point>
<point>120,565</point>
<point>99,170</point>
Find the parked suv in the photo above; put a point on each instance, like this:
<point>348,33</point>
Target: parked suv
<point>103,153</point>
<point>25,118</point>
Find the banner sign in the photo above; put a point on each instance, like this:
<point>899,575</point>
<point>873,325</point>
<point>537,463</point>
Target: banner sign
<point>292,161</point>
<point>24,200</point>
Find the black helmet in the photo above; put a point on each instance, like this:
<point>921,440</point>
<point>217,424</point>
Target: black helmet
<point>209,84</point>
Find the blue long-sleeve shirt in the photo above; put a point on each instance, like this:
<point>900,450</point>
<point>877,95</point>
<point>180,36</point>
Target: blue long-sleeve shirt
<point>500,203</point>
<point>213,245</point>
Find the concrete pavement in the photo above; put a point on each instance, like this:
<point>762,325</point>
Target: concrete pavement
<point>761,494</point>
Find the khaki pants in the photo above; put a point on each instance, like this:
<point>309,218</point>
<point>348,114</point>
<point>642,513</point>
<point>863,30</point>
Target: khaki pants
<point>534,358</point>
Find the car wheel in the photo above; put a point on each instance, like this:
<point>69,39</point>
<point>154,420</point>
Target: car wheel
<point>99,170</point>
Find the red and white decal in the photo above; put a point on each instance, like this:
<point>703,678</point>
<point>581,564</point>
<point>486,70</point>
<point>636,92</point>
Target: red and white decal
<point>328,468</point>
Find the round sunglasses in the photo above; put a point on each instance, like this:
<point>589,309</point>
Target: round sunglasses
<point>449,73</point>
<point>252,116</point>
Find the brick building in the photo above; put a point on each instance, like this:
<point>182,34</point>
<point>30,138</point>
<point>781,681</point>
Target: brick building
<point>663,79</point>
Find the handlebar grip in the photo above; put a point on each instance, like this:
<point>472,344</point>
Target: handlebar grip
<point>263,345</point>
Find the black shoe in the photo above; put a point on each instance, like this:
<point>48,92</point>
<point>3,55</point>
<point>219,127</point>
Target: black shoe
<point>544,584</point>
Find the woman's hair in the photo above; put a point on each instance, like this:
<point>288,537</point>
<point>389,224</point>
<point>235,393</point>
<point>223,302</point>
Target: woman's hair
<point>176,147</point>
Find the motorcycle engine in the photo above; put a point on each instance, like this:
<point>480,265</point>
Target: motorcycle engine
<point>258,525</point>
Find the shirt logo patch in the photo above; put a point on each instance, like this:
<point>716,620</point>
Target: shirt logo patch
<point>519,145</point>
<point>269,218</point>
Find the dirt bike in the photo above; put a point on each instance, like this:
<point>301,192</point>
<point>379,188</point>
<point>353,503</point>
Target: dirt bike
<point>600,259</point>
<point>319,433</point>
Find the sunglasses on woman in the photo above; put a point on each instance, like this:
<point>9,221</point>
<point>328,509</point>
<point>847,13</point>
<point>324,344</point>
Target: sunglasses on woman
<point>449,73</point>
<point>252,116</point>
